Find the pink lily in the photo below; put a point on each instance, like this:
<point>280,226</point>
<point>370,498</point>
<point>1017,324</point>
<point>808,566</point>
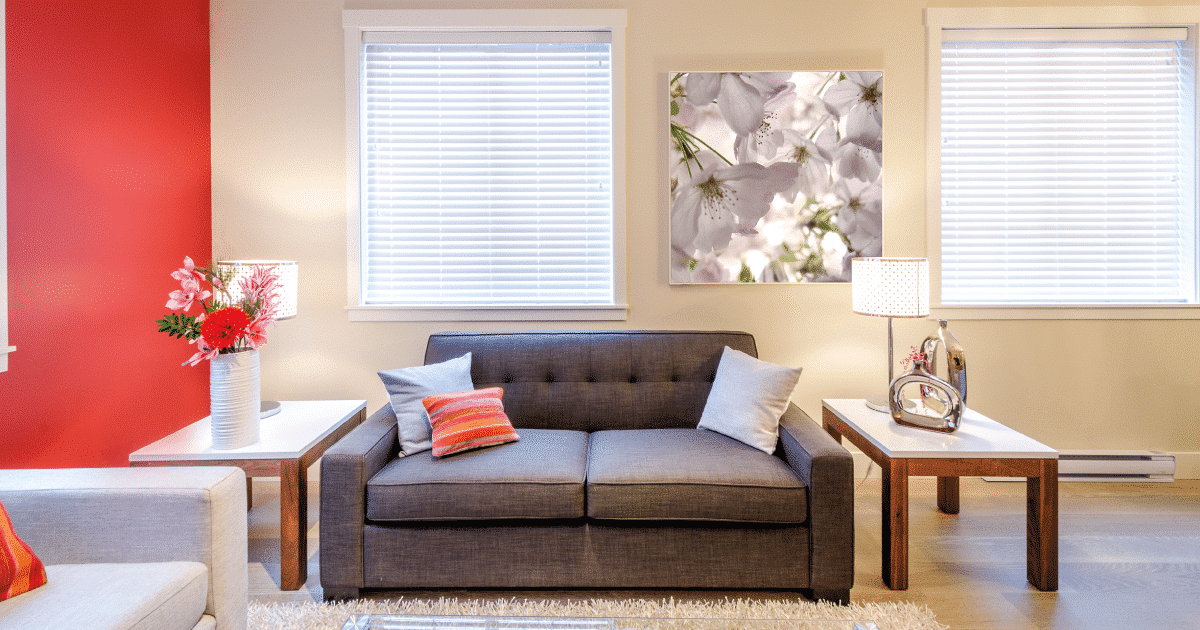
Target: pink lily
<point>188,271</point>
<point>204,353</point>
<point>256,332</point>
<point>260,288</point>
<point>182,298</point>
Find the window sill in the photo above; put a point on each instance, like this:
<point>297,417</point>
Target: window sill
<point>1180,311</point>
<point>581,313</point>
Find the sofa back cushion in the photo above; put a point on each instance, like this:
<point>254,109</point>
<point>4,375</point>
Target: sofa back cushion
<point>595,380</point>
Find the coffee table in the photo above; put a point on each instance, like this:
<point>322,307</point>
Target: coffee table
<point>289,442</point>
<point>981,446</point>
<point>449,622</point>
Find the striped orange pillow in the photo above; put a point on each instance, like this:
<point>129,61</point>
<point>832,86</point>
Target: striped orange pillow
<point>468,420</point>
<point>20,569</point>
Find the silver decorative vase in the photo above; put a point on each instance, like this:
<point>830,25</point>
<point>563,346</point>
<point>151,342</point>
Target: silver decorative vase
<point>234,399</point>
<point>937,405</point>
<point>956,357</point>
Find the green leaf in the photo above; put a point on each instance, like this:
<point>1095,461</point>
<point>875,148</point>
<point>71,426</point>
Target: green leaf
<point>674,108</point>
<point>179,326</point>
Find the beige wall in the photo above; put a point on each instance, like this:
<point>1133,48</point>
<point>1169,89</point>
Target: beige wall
<point>279,191</point>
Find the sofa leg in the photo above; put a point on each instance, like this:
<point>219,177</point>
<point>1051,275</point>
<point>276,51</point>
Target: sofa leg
<point>839,596</point>
<point>337,593</point>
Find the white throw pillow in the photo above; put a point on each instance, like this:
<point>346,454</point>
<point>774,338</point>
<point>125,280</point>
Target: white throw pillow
<point>407,387</point>
<point>747,399</point>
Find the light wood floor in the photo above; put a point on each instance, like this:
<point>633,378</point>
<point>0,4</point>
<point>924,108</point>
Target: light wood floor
<point>1129,557</point>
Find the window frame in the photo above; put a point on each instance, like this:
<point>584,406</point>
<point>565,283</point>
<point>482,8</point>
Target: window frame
<point>356,22</point>
<point>939,19</point>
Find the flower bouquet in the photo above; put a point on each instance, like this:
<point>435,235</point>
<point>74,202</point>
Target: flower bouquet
<point>233,319</point>
<point>230,328</point>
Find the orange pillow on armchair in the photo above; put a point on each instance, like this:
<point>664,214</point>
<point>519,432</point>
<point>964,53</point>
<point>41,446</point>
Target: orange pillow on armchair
<point>20,569</point>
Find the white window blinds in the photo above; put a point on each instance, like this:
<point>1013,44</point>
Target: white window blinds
<point>1068,167</point>
<point>486,169</point>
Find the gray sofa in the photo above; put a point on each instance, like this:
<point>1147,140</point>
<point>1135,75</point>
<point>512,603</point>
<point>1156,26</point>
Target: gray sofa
<point>610,486</point>
<point>131,548</point>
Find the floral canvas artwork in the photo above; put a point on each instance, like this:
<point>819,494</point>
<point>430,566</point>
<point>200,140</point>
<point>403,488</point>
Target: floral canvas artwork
<point>775,176</point>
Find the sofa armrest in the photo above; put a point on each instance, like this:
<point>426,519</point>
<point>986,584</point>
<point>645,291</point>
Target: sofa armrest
<point>160,514</point>
<point>827,468</point>
<point>345,470</point>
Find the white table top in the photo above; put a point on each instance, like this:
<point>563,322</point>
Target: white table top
<point>977,436</point>
<point>297,427</point>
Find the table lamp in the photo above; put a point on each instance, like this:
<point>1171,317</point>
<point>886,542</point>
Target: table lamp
<point>289,282</point>
<point>890,287</point>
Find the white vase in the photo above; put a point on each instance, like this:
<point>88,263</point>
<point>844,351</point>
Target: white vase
<point>234,399</point>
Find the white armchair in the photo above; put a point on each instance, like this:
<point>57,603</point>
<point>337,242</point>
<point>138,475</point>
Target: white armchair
<point>131,548</point>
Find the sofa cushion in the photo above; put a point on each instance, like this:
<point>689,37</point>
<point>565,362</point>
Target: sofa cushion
<point>594,380</point>
<point>689,475</point>
<point>102,596</point>
<point>539,477</point>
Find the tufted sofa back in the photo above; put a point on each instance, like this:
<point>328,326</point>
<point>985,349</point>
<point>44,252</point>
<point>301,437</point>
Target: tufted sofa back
<point>595,380</point>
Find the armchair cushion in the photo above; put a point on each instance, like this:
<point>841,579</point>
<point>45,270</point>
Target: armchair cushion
<point>689,475</point>
<point>136,516</point>
<point>137,596</point>
<point>539,477</point>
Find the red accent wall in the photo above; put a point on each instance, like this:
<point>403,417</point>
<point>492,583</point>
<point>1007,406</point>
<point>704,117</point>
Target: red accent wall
<point>109,187</point>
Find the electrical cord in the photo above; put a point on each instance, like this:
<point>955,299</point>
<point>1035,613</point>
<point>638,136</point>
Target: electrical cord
<point>870,466</point>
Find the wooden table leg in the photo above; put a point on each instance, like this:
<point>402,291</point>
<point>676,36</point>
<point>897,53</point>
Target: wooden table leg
<point>249,494</point>
<point>947,493</point>
<point>829,428</point>
<point>895,524</point>
<point>1041,507</point>
<point>293,525</point>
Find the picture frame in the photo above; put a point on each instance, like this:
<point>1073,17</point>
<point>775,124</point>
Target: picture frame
<point>776,177</point>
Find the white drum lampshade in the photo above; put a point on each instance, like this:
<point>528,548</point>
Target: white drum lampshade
<point>289,281</point>
<point>890,287</point>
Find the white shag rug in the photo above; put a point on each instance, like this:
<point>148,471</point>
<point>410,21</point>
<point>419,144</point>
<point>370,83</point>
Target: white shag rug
<point>332,616</point>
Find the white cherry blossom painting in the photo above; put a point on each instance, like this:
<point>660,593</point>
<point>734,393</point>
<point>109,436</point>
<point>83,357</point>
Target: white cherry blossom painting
<point>775,176</point>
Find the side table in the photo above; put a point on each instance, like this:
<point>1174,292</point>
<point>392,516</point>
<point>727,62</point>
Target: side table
<point>981,446</point>
<point>289,442</point>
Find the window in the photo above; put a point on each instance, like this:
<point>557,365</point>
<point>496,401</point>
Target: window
<point>485,168</point>
<point>1066,167</point>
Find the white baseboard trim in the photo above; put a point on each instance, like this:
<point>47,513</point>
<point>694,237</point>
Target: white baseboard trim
<point>1187,465</point>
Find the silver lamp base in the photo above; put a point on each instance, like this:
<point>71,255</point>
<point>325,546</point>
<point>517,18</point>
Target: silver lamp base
<point>879,403</point>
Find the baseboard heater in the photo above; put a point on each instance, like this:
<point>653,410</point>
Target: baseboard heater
<point>1117,466</point>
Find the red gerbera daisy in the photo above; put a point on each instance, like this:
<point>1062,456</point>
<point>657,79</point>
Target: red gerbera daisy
<point>224,327</point>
